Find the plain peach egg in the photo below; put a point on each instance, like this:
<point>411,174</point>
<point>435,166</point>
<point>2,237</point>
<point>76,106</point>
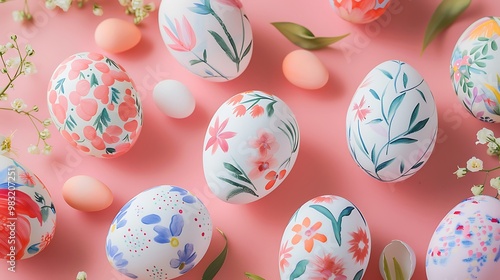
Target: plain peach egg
<point>304,69</point>
<point>86,193</point>
<point>115,35</point>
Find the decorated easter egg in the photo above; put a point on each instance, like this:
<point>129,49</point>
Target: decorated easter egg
<point>212,39</point>
<point>250,147</point>
<point>466,243</point>
<point>94,105</point>
<point>161,233</point>
<point>392,122</point>
<point>475,69</point>
<point>360,11</point>
<point>27,214</point>
<point>326,238</point>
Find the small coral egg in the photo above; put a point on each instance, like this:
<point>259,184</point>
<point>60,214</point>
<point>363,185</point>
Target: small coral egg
<point>174,99</point>
<point>304,69</point>
<point>86,193</point>
<point>115,35</point>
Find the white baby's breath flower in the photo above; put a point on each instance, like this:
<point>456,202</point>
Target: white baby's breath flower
<point>47,122</point>
<point>18,15</point>
<point>13,62</point>
<point>18,105</point>
<point>477,189</point>
<point>495,183</point>
<point>137,4</point>
<point>3,49</point>
<point>50,4</point>
<point>44,134</point>
<point>9,45</point>
<point>124,2</point>
<point>97,10</point>
<point>47,149</point>
<point>63,4</point>
<point>460,172</point>
<point>150,7</point>
<point>484,135</point>
<point>81,275</point>
<point>4,97</point>
<point>29,68</point>
<point>34,150</point>
<point>5,144</point>
<point>474,164</point>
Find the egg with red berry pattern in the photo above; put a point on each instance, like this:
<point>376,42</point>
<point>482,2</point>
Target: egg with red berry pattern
<point>161,233</point>
<point>466,243</point>
<point>94,104</point>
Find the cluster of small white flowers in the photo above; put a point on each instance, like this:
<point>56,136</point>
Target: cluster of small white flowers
<point>63,4</point>
<point>484,136</point>
<point>138,9</point>
<point>81,275</point>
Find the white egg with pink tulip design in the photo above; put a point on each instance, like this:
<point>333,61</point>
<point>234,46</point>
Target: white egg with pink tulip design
<point>211,38</point>
<point>250,147</point>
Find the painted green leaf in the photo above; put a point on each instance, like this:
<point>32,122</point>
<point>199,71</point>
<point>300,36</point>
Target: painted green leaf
<point>336,225</point>
<point>398,270</point>
<point>300,269</point>
<point>417,165</point>
<point>223,45</point>
<point>395,105</point>
<point>270,108</point>
<point>247,50</point>
<point>216,265</point>
<point>102,120</point>
<point>194,61</point>
<point>205,54</point>
<point>114,95</point>
<point>405,80</point>
<point>403,140</point>
<point>374,93</point>
<point>401,167</point>
<point>60,84</point>
<point>252,276</point>
<point>444,15</point>
<point>421,95</point>
<point>387,273</point>
<point>374,121</point>
<point>414,115</point>
<point>112,62</point>
<point>494,45</point>
<point>383,165</point>
<point>386,73</point>
<point>231,168</point>
<point>241,190</point>
<point>303,37</point>
<point>359,275</point>
<point>372,154</point>
<point>45,213</point>
<point>93,81</point>
<point>421,124</point>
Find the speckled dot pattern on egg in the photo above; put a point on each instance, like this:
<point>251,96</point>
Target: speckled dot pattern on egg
<point>162,232</point>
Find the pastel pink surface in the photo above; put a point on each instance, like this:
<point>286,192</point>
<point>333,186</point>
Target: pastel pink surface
<point>169,150</point>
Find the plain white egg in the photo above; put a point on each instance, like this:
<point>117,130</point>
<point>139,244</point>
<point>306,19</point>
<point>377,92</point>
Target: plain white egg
<point>174,99</point>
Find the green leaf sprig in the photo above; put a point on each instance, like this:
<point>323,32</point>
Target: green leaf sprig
<point>252,276</point>
<point>216,265</point>
<point>303,37</point>
<point>444,15</point>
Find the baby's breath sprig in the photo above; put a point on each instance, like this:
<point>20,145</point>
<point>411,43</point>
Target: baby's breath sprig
<point>137,9</point>
<point>13,67</point>
<point>474,164</point>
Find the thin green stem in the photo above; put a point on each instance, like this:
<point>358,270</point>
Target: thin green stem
<point>211,67</point>
<point>229,37</point>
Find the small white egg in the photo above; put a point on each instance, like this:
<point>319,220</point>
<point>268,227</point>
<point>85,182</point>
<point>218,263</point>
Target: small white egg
<point>174,99</point>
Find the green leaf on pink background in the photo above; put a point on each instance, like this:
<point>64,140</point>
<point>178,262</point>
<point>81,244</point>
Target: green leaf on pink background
<point>303,37</point>
<point>253,276</point>
<point>216,265</point>
<point>444,15</point>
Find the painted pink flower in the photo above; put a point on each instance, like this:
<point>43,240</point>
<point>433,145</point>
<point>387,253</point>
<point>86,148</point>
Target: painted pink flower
<point>59,106</point>
<point>265,143</point>
<point>261,165</point>
<point>327,267</point>
<point>218,137</point>
<point>27,179</point>
<point>111,134</point>
<point>236,99</point>
<point>91,134</point>
<point>239,110</point>
<point>183,36</point>
<point>323,199</point>
<point>274,176</point>
<point>360,111</point>
<point>361,11</point>
<point>102,93</point>
<point>127,110</point>
<point>359,245</point>
<point>284,255</point>
<point>256,111</point>
<point>232,3</point>
<point>77,66</point>
<point>308,233</point>
<point>457,64</point>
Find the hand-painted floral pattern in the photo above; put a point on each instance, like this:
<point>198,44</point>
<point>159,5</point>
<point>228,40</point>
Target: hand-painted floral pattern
<point>326,238</point>
<point>33,214</point>
<point>94,105</point>
<point>211,38</point>
<point>392,122</point>
<point>259,141</point>
<point>166,221</point>
<point>474,72</point>
<point>360,11</point>
<point>466,243</point>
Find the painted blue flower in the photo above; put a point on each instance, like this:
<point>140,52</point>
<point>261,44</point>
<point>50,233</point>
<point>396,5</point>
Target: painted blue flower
<point>117,259</point>
<point>119,221</point>
<point>168,235</point>
<point>186,197</point>
<point>202,9</point>
<point>186,259</point>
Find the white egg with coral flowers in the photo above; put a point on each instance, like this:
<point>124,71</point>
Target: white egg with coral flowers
<point>250,147</point>
<point>391,123</point>
<point>27,214</point>
<point>161,233</point>
<point>211,38</point>
<point>466,243</point>
<point>326,238</point>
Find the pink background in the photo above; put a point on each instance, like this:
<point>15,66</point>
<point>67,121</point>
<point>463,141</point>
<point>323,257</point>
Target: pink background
<point>169,150</point>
